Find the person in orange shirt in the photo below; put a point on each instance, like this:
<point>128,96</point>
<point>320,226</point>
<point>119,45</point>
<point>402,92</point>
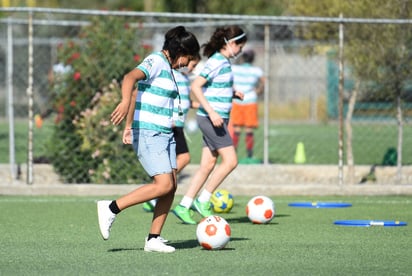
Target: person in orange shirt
<point>249,80</point>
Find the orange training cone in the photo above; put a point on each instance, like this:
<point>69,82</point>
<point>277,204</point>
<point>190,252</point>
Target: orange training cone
<point>38,121</point>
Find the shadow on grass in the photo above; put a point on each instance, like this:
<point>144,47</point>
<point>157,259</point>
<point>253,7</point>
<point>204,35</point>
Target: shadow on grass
<point>281,215</point>
<point>114,250</point>
<point>245,219</point>
<point>186,244</point>
<point>238,220</point>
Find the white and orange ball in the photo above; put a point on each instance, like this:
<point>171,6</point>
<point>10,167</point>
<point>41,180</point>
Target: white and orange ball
<point>213,232</point>
<point>191,126</point>
<point>260,209</point>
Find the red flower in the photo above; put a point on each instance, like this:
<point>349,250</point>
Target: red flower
<point>72,103</point>
<point>60,109</point>
<point>75,55</point>
<point>147,47</point>
<point>126,26</point>
<point>136,57</point>
<point>59,117</point>
<point>76,76</point>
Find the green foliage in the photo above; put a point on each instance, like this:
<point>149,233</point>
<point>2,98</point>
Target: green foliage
<point>259,7</point>
<point>104,51</point>
<point>68,160</point>
<point>380,54</point>
<point>92,126</point>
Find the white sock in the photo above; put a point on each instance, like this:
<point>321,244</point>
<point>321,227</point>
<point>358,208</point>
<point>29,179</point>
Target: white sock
<point>205,196</point>
<point>153,202</point>
<point>186,202</point>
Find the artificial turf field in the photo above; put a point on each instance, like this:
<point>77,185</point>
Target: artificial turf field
<point>51,235</point>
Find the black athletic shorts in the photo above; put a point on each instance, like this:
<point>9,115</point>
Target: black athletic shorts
<point>181,145</point>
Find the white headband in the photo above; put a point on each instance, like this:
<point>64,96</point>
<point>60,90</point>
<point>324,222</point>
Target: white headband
<point>236,37</point>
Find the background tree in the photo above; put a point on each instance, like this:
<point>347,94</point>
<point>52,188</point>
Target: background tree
<point>83,99</point>
<point>379,54</point>
<point>258,7</point>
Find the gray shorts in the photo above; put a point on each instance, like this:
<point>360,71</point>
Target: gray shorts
<point>214,137</point>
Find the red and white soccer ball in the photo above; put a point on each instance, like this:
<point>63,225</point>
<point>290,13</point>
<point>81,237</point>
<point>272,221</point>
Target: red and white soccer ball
<point>213,232</point>
<point>260,209</point>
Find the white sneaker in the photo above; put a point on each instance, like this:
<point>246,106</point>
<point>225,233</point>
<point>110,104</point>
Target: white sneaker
<point>163,240</point>
<point>156,245</point>
<point>106,217</point>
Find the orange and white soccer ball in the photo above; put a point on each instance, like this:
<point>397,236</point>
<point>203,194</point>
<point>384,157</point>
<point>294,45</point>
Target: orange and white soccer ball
<point>213,232</point>
<point>260,209</point>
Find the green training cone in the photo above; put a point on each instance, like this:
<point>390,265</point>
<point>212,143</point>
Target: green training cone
<point>300,157</point>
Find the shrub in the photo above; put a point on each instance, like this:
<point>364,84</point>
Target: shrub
<point>85,147</point>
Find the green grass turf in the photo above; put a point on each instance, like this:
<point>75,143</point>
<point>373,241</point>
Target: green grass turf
<point>40,139</point>
<point>370,142</point>
<point>52,235</point>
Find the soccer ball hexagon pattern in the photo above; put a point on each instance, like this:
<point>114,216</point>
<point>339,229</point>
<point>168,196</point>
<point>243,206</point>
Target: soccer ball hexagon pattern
<point>260,209</point>
<point>213,232</point>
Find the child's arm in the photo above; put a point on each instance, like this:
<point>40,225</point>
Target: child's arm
<point>196,87</point>
<point>122,108</point>
<point>127,133</point>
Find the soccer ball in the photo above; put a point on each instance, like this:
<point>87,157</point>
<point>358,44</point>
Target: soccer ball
<point>191,126</point>
<point>222,201</point>
<point>213,232</point>
<point>260,209</point>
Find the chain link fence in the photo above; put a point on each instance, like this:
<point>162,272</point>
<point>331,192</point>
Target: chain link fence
<point>317,109</point>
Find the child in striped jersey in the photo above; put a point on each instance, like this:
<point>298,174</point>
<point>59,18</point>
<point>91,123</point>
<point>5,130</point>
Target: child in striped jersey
<point>213,88</point>
<point>183,83</point>
<point>148,112</point>
<point>182,149</point>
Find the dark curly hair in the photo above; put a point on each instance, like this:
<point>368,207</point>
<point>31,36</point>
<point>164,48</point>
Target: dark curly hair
<point>221,36</point>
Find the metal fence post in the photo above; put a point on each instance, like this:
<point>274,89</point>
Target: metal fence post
<point>30,105</point>
<point>340,104</point>
<point>266,97</point>
<point>10,104</point>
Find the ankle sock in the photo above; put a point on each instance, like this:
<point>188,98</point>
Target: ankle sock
<point>204,196</point>
<point>114,208</point>
<point>186,202</point>
<point>152,236</point>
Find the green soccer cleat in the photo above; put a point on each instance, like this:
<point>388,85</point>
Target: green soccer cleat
<point>183,214</point>
<point>148,206</point>
<point>203,208</point>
